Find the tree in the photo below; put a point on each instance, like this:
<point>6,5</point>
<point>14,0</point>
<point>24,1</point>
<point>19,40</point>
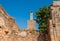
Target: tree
<point>42,17</point>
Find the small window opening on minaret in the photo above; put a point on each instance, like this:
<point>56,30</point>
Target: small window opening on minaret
<point>6,32</point>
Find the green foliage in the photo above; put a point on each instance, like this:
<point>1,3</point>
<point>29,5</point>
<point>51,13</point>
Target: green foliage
<point>42,17</point>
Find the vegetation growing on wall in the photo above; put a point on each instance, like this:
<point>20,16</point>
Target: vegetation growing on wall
<point>42,17</point>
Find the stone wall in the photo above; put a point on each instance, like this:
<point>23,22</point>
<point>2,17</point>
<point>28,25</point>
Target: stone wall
<point>22,35</point>
<point>25,35</point>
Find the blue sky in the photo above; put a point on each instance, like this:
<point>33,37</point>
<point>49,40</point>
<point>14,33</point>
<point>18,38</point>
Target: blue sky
<point>20,9</point>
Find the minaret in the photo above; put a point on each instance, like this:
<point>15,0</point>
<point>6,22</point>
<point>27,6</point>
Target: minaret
<point>31,22</point>
<point>31,15</point>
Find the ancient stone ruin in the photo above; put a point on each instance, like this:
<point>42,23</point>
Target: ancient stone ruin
<point>54,27</point>
<point>9,31</point>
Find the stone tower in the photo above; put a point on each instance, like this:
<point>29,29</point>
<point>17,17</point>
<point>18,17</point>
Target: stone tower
<point>55,21</point>
<point>31,22</point>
